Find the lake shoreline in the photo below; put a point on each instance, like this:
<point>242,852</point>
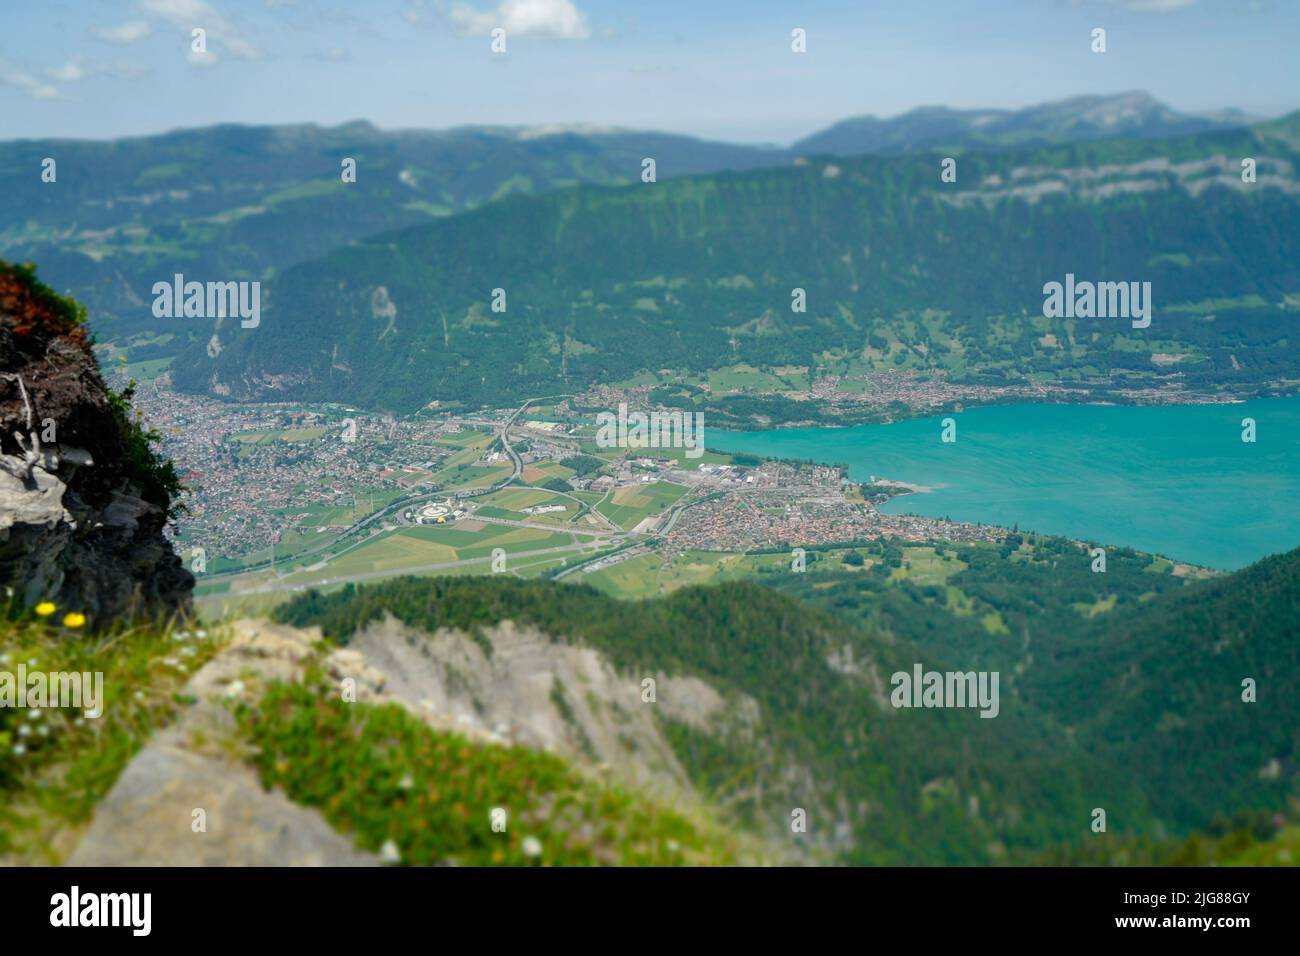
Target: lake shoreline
<point>1150,477</point>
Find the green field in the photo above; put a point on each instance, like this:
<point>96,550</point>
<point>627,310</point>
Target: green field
<point>746,378</point>
<point>281,434</point>
<point>510,502</point>
<point>648,575</point>
<point>147,369</point>
<point>536,474</point>
<point>471,438</point>
<point>926,566</point>
<point>627,507</point>
<point>406,548</point>
<point>472,476</point>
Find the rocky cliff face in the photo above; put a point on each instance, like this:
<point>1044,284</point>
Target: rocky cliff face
<point>83,498</point>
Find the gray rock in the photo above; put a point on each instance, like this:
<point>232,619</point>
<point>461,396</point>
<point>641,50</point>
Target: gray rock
<point>147,818</point>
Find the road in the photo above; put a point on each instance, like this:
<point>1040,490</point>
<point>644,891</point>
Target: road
<point>395,572</point>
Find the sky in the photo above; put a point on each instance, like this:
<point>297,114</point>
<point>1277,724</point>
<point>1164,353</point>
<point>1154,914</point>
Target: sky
<point>722,69</point>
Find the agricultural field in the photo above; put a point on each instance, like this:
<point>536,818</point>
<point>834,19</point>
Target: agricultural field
<point>470,438</point>
<point>469,475</point>
<point>746,378</point>
<point>648,575</point>
<point>510,502</point>
<point>925,565</point>
<point>629,506</point>
<point>290,435</point>
<point>147,369</point>
<point>410,547</point>
<point>537,473</point>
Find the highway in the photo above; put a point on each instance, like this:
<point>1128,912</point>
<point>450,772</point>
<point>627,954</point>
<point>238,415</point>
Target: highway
<point>279,585</point>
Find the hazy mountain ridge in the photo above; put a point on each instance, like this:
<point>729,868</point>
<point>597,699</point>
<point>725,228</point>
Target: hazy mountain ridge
<point>244,202</point>
<point>1136,115</point>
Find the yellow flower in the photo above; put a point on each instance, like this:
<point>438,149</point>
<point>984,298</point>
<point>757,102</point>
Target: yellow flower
<point>45,608</point>
<point>74,619</point>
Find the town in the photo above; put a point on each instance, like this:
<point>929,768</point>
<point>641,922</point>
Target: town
<point>342,494</point>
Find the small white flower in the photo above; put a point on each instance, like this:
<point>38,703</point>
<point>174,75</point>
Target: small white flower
<point>34,714</point>
<point>235,689</point>
<point>532,846</point>
<point>19,750</point>
<point>24,731</point>
<point>203,635</point>
<point>389,853</point>
<point>139,695</point>
<point>407,782</point>
<point>43,731</point>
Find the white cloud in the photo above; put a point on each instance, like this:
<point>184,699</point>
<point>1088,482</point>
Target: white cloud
<point>185,15</point>
<point>124,33</point>
<point>20,79</point>
<point>557,19</point>
<point>70,72</point>
<point>77,68</point>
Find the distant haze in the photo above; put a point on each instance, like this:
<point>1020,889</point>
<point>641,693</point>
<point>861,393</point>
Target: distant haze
<point>722,70</point>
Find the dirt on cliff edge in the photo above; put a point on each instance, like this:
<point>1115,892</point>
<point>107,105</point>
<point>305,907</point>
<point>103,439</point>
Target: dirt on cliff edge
<point>84,498</point>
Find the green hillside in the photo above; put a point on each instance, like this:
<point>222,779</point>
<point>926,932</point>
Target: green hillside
<point>900,270</point>
<point>1154,680</point>
<point>230,202</point>
<point>1116,711</point>
<point>920,786</point>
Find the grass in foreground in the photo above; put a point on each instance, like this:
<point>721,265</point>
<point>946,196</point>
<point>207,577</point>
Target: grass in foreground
<point>56,763</point>
<point>385,776</point>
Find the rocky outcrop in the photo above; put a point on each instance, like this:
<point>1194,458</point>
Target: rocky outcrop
<point>187,799</point>
<point>83,501</point>
<point>540,693</point>
<point>531,692</point>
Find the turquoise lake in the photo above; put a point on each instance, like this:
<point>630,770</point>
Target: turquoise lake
<point>1172,480</point>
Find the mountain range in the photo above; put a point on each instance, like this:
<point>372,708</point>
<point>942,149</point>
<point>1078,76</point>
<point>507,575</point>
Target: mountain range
<point>1133,115</point>
<point>898,269</point>
<point>234,202</point>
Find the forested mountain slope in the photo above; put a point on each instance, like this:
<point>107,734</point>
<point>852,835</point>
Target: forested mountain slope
<point>1095,718</point>
<point>899,269</point>
<point>1139,666</point>
<point>231,202</point>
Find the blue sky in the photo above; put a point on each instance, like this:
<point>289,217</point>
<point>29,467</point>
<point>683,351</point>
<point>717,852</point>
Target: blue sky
<point>717,68</point>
